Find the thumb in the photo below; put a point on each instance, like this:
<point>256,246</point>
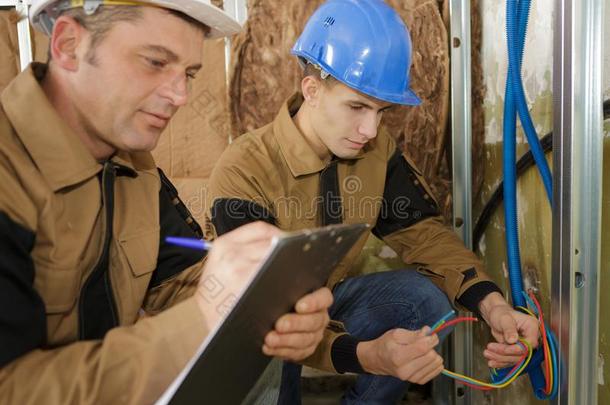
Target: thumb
<point>509,329</point>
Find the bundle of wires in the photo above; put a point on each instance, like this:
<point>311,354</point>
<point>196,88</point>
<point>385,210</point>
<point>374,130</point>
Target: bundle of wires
<point>549,348</point>
<point>507,378</point>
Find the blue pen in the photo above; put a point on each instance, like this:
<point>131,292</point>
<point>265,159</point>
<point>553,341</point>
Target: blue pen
<point>191,243</point>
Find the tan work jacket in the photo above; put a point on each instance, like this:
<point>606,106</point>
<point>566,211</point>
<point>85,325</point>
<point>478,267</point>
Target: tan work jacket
<point>82,252</point>
<point>273,174</point>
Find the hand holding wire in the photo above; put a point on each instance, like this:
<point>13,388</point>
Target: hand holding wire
<point>548,345</point>
<point>507,325</point>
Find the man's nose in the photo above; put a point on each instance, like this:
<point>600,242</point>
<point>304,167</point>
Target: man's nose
<point>368,126</point>
<point>177,90</point>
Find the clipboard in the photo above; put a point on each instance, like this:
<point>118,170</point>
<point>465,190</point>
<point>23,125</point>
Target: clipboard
<point>230,360</point>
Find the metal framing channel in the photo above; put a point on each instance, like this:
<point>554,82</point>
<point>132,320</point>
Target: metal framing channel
<point>237,9</point>
<point>23,31</point>
<point>23,35</point>
<point>578,165</point>
<point>461,121</point>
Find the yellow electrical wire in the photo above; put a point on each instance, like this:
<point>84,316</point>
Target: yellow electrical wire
<point>546,347</point>
<point>491,385</point>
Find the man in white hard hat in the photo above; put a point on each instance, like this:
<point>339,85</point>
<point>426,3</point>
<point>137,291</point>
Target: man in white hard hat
<point>84,213</point>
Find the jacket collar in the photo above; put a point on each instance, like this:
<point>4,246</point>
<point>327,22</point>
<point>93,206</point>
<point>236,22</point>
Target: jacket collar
<point>56,150</point>
<point>298,153</point>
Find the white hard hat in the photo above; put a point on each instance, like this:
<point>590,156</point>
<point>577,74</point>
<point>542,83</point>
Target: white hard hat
<point>44,12</point>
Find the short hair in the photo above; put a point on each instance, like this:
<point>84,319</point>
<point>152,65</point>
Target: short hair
<point>315,71</point>
<point>102,20</point>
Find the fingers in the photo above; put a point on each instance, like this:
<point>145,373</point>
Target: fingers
<point>291,323</point>
<point>401,353</point>
<point>235,253</point>
<point>422,368</point>
<point>499,336</point>
<point>291,346</point>
<point>254,252</point>
<point>241,249</point>
<point>415,355</point>
<point>429,371</point>
<point>296,336</point>
<point>320,299</point>
<point>508,326</point>
<point>434,373</point>
<point>529,327</point>
<point>252,232</point>
<point>500,355</point>
<point>495,361</point>
<point>302,340</point>
<point>504,349</point>
<point>287,354</point>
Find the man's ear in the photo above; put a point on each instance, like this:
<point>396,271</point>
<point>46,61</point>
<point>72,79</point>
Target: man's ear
<point>67,36</point>
<point>311,88</point>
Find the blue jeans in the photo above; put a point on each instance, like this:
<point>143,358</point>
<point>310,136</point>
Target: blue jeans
<point>369,306</point>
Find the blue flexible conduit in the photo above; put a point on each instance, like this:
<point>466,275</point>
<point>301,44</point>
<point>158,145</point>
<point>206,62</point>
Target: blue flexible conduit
<point>510,163</point>
<point>517,15</point>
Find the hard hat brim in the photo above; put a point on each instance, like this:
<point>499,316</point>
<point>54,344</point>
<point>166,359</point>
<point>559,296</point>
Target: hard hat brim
<point>221,24</point>
<point>410,98</point>
<point>407,97</point>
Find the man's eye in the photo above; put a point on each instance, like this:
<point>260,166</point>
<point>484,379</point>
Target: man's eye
<point>355,107</point>
<point>191,76</point>
<point>156,63</point>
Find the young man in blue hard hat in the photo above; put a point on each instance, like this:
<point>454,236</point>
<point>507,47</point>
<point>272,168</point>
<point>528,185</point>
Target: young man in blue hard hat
<point>322,161</point>
<point>84,213</point>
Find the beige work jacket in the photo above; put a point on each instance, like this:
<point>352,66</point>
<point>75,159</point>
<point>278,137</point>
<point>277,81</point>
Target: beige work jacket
<point>273,174</point>
<point>82,256</point>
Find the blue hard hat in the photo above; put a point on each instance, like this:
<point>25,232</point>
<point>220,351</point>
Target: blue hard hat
<point>362,43</point>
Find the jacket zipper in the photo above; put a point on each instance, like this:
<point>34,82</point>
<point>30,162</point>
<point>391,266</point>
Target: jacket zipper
<point>107,204</point>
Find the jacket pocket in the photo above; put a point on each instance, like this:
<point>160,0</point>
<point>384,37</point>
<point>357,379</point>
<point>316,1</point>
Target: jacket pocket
<point>140,251</point>
<point>437,279</point>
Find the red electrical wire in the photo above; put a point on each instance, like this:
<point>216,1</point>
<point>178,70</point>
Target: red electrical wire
<point>545,349</point>
<point>453,322</point>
